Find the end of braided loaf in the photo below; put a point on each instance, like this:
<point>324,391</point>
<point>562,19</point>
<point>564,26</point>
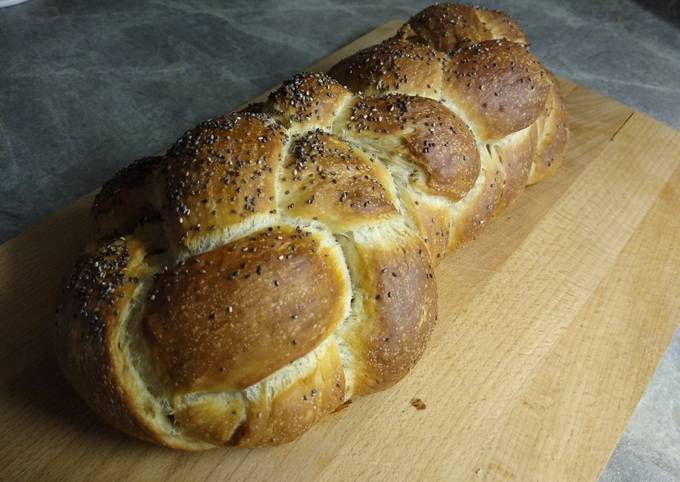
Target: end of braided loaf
<point>276,262</point>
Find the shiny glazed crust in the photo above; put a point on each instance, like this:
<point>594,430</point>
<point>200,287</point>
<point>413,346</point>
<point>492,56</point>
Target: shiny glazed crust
<point>278,261</point>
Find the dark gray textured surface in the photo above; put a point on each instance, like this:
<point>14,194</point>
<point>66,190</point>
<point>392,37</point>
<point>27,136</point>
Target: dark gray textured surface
<point>88,86</point>
<point>650,447</point>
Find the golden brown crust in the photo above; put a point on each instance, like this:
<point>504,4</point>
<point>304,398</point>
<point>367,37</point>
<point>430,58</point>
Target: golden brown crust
<point>127,200</point>
<point>499,85</point>
<point>394,65</point>
<point>446,27</point>
<point>552,137</point>
<point>432,221</point>
<point>516,154</point>
<point>88,344</point>
<point>278,261</point>
<point>293,410</point>
<point>449,26</point>
<point>266,419</point>
<point>310,100</point>
<point>425,132</point>
<point>398,308</point>
<point>473,214</point>
<point>222,320</point>
<point>327,179</point>
<point>220,173</point>
<point>102,285</point>
<point>501,26</point>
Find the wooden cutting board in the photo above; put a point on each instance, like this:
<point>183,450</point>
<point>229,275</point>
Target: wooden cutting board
<point>551,324</point>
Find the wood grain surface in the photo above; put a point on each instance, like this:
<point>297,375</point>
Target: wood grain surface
<point>551,325</point>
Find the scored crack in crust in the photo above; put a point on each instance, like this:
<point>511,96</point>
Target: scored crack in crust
<point>277,262</point>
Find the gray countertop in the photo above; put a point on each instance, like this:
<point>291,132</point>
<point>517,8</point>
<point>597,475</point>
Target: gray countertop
<point>88,86</point>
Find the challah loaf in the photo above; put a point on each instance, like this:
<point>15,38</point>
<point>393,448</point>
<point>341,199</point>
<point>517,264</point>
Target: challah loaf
<point>277,262</point>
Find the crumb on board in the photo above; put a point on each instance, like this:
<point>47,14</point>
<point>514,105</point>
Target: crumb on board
<point>418,403</point>
<point>343,406</point>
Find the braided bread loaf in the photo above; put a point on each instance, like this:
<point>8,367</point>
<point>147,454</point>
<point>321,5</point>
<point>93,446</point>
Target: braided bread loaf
<point>276,262</point>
